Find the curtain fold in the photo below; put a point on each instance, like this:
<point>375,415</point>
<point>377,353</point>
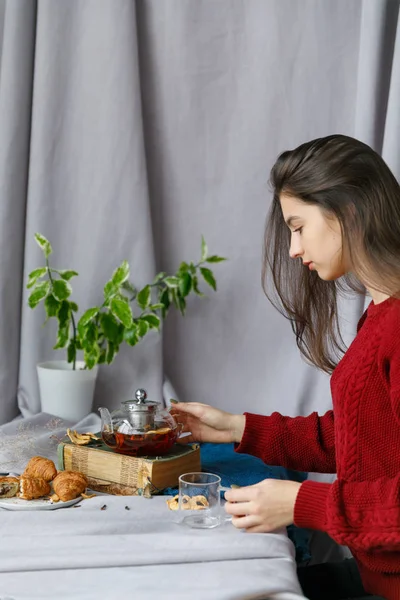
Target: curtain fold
<point>18,34</point>
<point>377,65</point>
<point>88,191</point>
<point>130,128</point>
<point>377,114</point>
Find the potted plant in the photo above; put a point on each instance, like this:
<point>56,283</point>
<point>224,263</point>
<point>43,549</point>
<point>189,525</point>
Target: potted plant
<point>124,315</point>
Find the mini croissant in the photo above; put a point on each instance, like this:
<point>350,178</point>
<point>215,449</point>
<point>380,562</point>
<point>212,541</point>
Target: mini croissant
<point>31,488</point>
<point>9,487</point>
<point>42,468</point>
<point>69,485</point>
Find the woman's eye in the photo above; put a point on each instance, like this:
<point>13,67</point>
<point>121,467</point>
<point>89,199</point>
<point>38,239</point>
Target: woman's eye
<point>298,230</point>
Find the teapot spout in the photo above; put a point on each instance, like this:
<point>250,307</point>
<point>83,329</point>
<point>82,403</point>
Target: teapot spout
<point>106,421</point>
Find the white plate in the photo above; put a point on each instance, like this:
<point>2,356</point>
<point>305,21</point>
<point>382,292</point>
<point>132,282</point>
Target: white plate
<point>38,504</point>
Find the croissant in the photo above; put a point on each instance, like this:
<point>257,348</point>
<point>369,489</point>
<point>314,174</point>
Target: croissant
<point>9,487</point>
<point>42,468</point>
<point>31,488</point>
<point>69,485</point>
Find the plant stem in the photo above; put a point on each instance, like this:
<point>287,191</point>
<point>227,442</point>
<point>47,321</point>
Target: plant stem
<point>74,330</point>
<point>72,315</point>
<point>49,272</point>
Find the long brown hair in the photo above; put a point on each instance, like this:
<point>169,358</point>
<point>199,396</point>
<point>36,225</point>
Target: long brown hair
<point>350,181</point>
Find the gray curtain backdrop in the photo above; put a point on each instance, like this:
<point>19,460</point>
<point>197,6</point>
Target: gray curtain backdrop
<point>128,129</point>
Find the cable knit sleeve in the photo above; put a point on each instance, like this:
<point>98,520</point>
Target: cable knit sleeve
<point>300,443</point>
<point>364,515</point>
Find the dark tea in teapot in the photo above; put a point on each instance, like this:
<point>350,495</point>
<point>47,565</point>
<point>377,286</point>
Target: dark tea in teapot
<point>152,443</point>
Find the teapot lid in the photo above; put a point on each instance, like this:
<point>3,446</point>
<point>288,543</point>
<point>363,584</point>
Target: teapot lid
<point>140,402</point>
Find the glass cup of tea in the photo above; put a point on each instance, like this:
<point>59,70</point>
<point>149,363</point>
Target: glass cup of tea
<point>199,500</point>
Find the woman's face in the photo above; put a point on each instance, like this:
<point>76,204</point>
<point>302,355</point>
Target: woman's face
<point>315,239</point>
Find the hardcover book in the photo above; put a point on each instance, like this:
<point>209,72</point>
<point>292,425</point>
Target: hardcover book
<point>108,471</point>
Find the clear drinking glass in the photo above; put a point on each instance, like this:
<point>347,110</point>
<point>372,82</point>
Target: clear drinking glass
<point>199,500</point>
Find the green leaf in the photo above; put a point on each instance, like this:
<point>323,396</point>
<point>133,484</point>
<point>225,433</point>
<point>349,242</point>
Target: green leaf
<point>173,297</point>
<point>121,274</point>
<point>35,275</point>
<point>195,285</point>
<point>74,306</point>
<point>144,296</point>
<point>122,297</point>
<point>172,282</point>
<point>88,316</point>
<point>51,306</point>
<point>40,291</point>
<point>215,259</point>
<point>181,304</point>
<point>91,335</point>
<point>143,327</point>
<point>129,287</point>
<point>90,360</point>
<point>131,335</point>
<point>110,289</point>
<point>209,277</point>
<point>183,267</point>
<point>120,338</point>
<point>61,289</point>
<point>64,313</point>
<point>185,284</point>
<point>192,268</point>
<point>156,306</point>
<point>165,301</point>
<point>122,311</point>
<point>44,244</point>
<point>178,301</point>
<point>102,357</point>
<point>91,356</point>
<point>204,249</point>
<point>152,320</point>
<point>67,275</point>
<point>62,337</point>
<point>110,353</point>
<point>71,352</point>
<point>159,276</point>
<point>110,327</point>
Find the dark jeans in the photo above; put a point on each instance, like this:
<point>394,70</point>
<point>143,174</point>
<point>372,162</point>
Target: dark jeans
<point>333,581</point>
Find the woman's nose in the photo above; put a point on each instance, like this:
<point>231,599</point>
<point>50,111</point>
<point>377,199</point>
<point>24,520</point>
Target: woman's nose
<point>296,248</point>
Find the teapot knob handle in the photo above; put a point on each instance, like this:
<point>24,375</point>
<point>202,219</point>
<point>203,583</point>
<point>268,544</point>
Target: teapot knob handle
<point>141,396</point>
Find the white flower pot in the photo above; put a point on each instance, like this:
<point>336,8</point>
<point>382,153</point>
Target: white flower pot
<point>64,392</point>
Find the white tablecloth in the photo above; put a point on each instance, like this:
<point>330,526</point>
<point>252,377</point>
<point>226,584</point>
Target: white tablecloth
<point>86,553</point>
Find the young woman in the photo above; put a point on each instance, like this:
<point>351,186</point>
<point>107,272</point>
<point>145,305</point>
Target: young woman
<point>334,222</point>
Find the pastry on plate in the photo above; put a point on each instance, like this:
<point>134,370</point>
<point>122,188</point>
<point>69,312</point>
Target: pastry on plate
<point>69,485</point>
<point>40,467</point>
<point>31,488</point>
<point>9,487</point>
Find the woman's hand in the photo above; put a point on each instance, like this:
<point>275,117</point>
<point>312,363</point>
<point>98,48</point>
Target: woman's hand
<point>263,507</point>
<point>207,424</point>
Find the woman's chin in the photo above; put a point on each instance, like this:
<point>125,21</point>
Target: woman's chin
<point>328,275</point>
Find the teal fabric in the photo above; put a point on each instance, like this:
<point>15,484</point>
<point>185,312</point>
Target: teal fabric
<point>242,470</point>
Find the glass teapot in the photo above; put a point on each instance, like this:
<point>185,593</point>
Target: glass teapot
<point>139,428</point>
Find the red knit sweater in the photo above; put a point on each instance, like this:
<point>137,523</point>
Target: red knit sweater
<point>360,441</point>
